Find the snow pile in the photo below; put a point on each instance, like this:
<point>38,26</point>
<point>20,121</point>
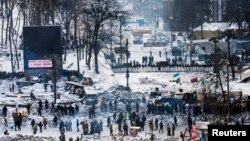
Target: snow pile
<point>27,138</point>
<point>207,27</point>
<point>216,27</point>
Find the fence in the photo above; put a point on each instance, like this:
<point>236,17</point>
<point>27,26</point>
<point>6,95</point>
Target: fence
<point>204,69</point>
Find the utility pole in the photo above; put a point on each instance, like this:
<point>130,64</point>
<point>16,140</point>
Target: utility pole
<point>120,16</point>
<point>191,44</point>
<point>228,57</point>
<point>54,76</point>
<point>127,72</point>
<point>228,63</point>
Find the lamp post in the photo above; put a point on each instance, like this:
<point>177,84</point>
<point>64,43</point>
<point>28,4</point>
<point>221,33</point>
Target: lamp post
<point>54,77</point>
<point>119,17</point>
<point>228,63</point>
<point>127,71</point>
<point>191,43</point>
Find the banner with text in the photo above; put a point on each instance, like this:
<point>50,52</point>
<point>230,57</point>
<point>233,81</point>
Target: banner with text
<point>40,64</point>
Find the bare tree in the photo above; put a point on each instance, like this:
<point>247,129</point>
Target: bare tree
<point>98,12</point>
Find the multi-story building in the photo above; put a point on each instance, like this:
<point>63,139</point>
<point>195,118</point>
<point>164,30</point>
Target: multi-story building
<point>218,10</point>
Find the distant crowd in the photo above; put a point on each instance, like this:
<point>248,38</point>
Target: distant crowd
<point>8,75</point>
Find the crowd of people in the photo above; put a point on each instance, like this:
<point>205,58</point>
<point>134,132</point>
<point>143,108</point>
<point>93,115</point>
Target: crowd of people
<point>8,75</point>
<point>124,119</point>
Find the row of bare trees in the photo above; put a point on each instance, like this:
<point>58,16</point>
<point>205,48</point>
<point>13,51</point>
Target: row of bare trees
<point>82,22</point>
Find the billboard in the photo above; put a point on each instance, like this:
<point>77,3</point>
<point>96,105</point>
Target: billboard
<point>40,64</point>
<point>42,39</point>
<point>41,45</point>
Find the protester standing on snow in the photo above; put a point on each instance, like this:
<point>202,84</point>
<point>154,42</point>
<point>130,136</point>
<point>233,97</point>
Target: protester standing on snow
<point>45,122</point>
<point>40,126</point>
<point>161,127</point>
<point>35,129</point>
<point>173,129</point>
<point>77,125</point>
<point>5,111</point>
<point>33,122</point>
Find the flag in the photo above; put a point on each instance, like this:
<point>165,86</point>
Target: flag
<point>198,135</point>
<point>205,81</point>
<point>176,75</point>
<point>70,65</point>
<point>193,80</point>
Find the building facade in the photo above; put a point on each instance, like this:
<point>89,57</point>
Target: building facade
<point>218,10</point>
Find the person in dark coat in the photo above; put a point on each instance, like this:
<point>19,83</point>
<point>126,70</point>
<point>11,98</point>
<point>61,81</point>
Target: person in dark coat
<point>190,123</point>
<point>115,103</point>
<point>13,87</point>
<point>168,130</point>
<point>40,126</point>
<point>77,109</point>
<point>175,120</point>
<point>62,137</point>
<point>40,111</point>
<point>55,119</point>
<point>33,122</point>
<point>28,108</point>
<point>35,129</point>
<point>114,116</point>
<point>173,129</point>
<point>108,122</point>
<point>125,129</point>
<point>32,96</point>
<point>161,127</point>
<point>111,130</point>
<point>156,123</point>
<point>137,107</point>
<point>61,126</point>
<point>143,121</point>
<point>5,111</point>
<point>40,104</point>
<point>77,125</point>
<point>46,104</point>
<point>45,122</point>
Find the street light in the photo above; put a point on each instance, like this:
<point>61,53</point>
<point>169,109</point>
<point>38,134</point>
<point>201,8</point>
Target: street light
<point>191,42</point>
<point>54,77</point>
<point>119,18</point>
<point>229,36</point>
